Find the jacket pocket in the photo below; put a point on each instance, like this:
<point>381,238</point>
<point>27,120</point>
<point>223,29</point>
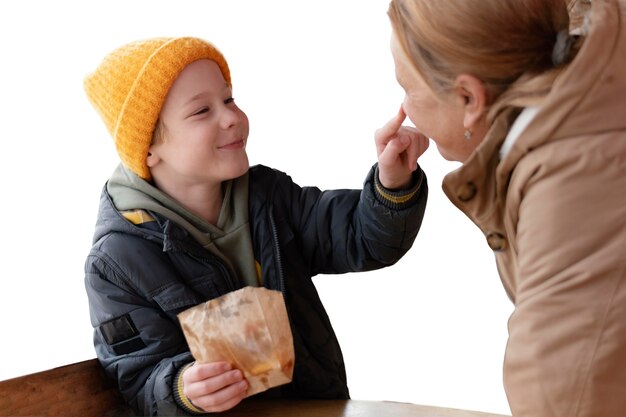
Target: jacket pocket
<point>177,297</point>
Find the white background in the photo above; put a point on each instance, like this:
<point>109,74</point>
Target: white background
<point>316,79</point>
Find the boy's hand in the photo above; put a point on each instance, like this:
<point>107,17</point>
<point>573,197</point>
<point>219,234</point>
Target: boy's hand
<point>214,387</point>
<point>398,148</point>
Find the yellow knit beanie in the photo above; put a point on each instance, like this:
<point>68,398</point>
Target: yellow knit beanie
<point>130,85</point>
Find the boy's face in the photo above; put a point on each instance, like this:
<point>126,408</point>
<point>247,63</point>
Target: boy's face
<point>205,133</point>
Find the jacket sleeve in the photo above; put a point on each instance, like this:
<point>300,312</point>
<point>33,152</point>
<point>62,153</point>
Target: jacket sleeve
<point>358,230</point>
<point>138,343</point>
<point>567,334</point>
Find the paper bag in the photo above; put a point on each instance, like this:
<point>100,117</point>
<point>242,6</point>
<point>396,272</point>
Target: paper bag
<point>248,328</point>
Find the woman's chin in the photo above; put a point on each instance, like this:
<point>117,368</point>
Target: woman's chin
<point>447,155</point>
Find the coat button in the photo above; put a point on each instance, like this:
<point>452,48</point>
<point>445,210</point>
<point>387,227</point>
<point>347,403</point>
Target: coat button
<point>496,241</point>
<point>466,191</point>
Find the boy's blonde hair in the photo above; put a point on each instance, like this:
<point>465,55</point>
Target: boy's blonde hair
<point>159,132</point>
<point>130,85</point>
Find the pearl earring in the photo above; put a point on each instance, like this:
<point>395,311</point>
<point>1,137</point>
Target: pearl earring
<point>468,134</point>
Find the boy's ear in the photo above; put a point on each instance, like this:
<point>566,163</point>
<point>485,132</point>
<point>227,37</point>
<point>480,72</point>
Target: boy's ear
<point>152,158</point>
<point>473,96</point>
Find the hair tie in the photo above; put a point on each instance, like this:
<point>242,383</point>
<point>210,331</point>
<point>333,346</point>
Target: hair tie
<point>562,47</point>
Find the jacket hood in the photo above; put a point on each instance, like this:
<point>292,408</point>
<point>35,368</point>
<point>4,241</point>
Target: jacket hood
<point>171,223</point>
<point>589,96</point>
<point>587,100</point>
<point>126,191</point>
<point>111,221</point>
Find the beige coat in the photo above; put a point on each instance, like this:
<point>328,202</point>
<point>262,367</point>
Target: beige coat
<point>554,212</point>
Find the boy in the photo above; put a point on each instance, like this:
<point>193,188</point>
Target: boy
<point>184,219</point>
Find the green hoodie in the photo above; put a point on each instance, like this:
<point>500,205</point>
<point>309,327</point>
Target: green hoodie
<point>229,239</point>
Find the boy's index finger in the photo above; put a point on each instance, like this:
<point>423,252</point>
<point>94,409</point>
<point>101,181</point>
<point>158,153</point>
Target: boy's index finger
<point>394,124</point>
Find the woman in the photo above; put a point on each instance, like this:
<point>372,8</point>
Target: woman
<point>537,115</point>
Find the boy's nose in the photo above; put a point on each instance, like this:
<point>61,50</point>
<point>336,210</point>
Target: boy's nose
<point>230,117</point>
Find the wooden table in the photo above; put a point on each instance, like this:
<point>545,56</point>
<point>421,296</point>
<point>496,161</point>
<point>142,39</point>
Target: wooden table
<point>83,390</point>
<point>342,408</point>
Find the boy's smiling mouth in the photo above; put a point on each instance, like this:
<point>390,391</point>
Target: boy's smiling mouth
<point>237,144</point>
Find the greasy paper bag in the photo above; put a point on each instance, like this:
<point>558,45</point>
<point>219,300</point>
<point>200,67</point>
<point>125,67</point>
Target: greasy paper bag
<point>248,328</point>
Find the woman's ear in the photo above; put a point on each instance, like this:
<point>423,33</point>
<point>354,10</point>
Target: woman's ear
<point>473,96</point>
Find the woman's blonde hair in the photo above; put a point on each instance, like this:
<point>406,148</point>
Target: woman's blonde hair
<point>507,44</point>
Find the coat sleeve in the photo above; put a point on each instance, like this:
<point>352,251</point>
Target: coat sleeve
<point>567,334</point>
<point>137,342</point>
<point>357,230</point>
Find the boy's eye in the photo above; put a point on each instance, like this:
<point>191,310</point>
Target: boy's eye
<point>201,111</point>
<point>229,100</point>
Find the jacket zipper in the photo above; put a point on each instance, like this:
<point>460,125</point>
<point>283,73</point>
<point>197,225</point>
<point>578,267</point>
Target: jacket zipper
<point>279,262</point>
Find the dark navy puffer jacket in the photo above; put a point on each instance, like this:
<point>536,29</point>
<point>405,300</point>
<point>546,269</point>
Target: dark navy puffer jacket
<point>139,278</point>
